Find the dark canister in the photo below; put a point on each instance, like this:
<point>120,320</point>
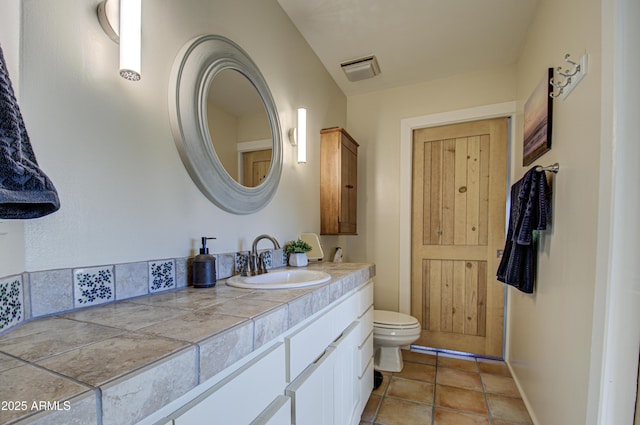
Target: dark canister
<point>203,268</point>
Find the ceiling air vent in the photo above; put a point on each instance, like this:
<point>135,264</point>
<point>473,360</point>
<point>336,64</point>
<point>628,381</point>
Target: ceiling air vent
<point>361,69</point>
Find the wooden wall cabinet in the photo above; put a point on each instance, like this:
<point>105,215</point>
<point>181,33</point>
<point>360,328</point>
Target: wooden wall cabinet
<point>338,182</point>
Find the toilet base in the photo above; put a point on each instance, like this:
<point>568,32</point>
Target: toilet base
<point>388,359</point>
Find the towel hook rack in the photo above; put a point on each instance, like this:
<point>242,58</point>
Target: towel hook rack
<point>572,76</point>
<point>554,168</point>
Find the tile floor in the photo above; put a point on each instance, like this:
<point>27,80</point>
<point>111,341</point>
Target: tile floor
<point>442,389</point>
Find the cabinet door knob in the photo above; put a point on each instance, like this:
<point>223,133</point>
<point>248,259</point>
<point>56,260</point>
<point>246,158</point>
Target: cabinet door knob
<point>349,186</point>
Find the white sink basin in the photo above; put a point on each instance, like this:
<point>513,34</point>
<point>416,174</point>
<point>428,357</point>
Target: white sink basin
<point>283,279</point>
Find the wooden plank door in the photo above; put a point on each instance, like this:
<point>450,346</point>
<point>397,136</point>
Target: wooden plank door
<point>256,166</point>
<point>458,221</point>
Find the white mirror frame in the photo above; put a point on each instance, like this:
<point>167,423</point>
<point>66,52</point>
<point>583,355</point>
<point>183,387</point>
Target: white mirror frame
<point>194,69</point>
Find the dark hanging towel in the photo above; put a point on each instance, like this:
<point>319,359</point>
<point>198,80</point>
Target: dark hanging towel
<point>25,191</point>
<point>530,211</point>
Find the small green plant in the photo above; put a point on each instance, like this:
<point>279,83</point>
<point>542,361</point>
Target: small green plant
<point>297,246</point>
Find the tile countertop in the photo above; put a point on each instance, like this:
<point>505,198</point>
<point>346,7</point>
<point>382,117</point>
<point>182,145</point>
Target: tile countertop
<point>125,360</point>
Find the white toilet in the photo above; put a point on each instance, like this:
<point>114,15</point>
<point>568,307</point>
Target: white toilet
<point>392,330</point>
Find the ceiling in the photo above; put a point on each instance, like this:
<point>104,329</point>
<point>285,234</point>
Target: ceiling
<point>413,40</point>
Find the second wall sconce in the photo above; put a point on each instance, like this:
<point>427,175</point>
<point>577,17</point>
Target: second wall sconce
<point>298,136</point>
<point>122,21</point>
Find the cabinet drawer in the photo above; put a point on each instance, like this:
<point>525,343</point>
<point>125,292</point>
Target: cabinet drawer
<point>304,346</point>
<point>354,307</point>
<point>366,386</point>
<point>307,344</point>
<point>365,298</point>
<point>277,413</point>
<point>312,393</point>
<point>345,313</point>
<point>366,381</point>
<point>365,352</point>
<point>366,325</point>
<point>230,401</point>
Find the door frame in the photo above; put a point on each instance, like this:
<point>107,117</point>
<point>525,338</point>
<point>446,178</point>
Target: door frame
<point>252,145</point>
<point>507,109</point>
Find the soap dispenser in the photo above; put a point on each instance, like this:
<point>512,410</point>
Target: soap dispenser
<point>203,268</point>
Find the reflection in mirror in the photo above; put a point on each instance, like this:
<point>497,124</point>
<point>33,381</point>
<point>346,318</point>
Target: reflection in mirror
<point>239,127</point>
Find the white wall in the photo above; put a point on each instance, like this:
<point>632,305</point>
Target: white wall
<point>374,121</point>
<point>550,332</point>
<point>223,128</point>
<point>107,145</point>
<point>616,324</point>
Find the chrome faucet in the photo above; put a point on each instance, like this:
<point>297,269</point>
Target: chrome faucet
<point>257,264</point>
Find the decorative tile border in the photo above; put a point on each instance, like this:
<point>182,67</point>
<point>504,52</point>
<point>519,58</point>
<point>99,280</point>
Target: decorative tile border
<point>242,260</point>
<point>273,258</point>
<point>47,292</point>
<point>51,291</point>
<point>162,275</point>
<point>93,286</point>
<point>279,258</point>
<point>182,272</point>
<point>268,261</point>
<point>129,277</point>
<point>11,302</point>
<point>225,265</point>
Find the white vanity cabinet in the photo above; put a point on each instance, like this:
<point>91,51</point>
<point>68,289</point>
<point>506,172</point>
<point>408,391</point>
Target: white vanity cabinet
<point>318,373</point>
<point>278,413</point>
<point>345,378</point>
<point>312,392</point>
<point>365,352</point>
<point>241,397</point>
<point>335,387</point>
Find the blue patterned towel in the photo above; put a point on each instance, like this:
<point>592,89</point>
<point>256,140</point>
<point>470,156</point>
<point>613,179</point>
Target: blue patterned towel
<point>530,212</point>
<point>25,191</point>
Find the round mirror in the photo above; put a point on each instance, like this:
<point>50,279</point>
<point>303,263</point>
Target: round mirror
<point>214,132</point>
<point>239,128</point>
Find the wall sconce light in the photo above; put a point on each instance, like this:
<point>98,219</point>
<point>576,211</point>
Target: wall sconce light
<point>122,21</point>
<point>298,136</point>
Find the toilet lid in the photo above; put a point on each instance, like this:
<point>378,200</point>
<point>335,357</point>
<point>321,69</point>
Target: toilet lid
<point>393,318</point>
